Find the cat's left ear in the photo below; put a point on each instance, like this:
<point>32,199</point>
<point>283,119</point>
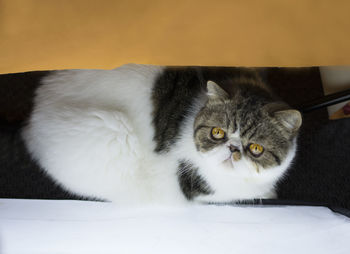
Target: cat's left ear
<point>289,118</point>
<point>215,91</point>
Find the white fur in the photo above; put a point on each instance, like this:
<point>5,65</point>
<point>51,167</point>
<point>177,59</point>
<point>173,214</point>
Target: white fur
<point>91,131</point>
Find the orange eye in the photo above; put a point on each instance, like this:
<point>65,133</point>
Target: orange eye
<point>256,149</point>
<point>217,133</point>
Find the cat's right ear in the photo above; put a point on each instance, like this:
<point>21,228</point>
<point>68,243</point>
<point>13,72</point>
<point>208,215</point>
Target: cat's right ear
<point>214,91</point>
<point>290,119</point>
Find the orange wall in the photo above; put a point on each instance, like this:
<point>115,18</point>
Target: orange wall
<point>58,34</point>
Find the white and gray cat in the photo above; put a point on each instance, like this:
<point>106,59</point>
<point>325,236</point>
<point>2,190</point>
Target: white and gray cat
<point>142,134</point>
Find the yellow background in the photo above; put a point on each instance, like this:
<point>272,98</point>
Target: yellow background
<point>59,34</point>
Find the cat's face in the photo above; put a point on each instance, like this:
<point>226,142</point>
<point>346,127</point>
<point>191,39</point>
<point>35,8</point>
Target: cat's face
<point>244,133</point>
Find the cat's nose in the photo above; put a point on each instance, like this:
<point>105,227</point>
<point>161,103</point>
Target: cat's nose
<point>234,148</point>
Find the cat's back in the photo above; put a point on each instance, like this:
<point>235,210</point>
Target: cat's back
<point>70,96</point>
<point>103,88</point>
<point>89,121</point>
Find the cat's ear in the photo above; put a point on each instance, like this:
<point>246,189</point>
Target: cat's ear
<point>289,118</point>
<point>215,91</point>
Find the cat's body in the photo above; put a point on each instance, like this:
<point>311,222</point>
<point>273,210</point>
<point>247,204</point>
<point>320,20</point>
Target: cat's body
<point>138,134</point>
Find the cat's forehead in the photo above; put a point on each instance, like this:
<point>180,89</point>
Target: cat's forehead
<point>222,107</point>
<point>220,113</point>
<point>231,109</point>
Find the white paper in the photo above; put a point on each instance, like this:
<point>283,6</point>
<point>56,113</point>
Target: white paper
<point>43,226</point>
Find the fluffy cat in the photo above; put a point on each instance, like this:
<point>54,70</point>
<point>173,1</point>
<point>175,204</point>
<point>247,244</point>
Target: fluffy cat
<point>142,134</point>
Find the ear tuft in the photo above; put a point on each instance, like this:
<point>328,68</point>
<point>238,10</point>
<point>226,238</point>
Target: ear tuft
<point>215,91</point>
<point>290,118</point>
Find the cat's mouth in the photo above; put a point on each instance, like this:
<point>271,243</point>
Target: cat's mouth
<point>235,156</point>
<point>228,158</point>
<point>232,159</point>
<point>229,161</point>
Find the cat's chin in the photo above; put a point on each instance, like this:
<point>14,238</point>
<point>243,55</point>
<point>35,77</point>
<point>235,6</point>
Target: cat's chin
<point>228,163</point>
<point>240,166</point>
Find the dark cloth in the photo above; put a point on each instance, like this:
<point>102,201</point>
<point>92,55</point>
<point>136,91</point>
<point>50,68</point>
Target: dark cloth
<point>321,170</point>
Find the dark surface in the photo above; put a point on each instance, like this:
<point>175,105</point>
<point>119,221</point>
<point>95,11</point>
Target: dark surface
<point>320,172</point>
<point>16,96</point>
<point>20,177</point>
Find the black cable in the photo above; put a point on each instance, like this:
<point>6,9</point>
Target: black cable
<point>325,101</point>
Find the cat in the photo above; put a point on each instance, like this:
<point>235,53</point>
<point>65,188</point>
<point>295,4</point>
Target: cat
<point>144,134</point>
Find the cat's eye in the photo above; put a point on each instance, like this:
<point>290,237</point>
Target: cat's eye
<point>256,149</point>
<point>217,133</point>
